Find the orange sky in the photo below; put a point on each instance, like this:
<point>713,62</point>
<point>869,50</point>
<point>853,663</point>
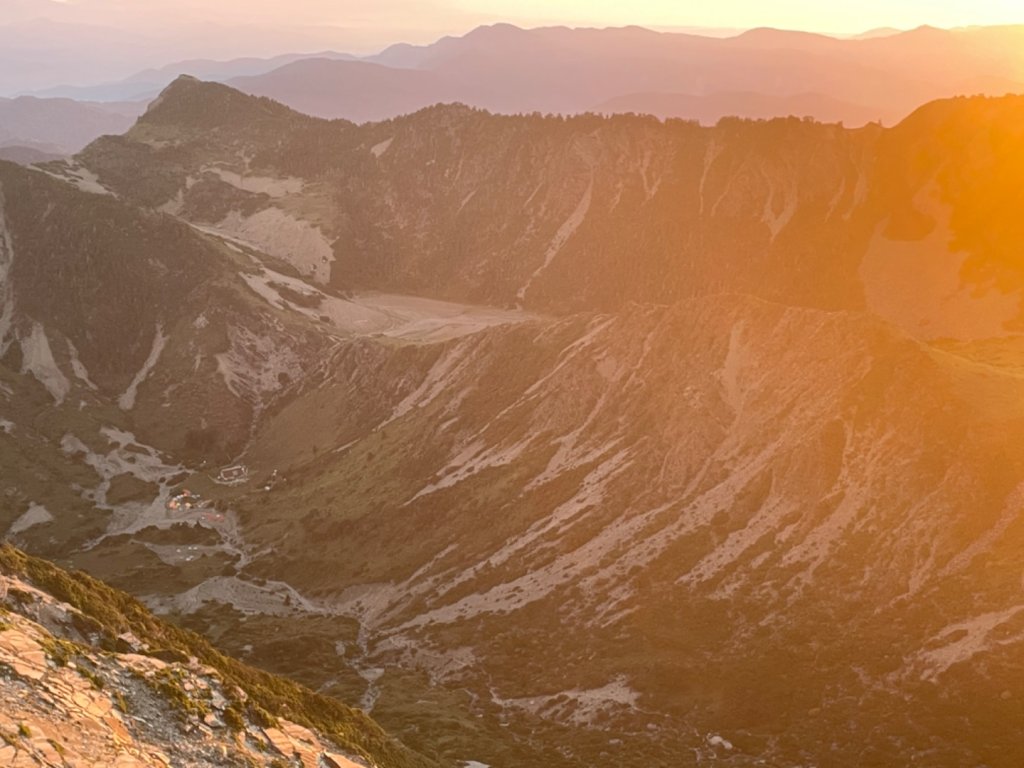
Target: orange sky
<point>361,24</point>
<point>104,40</point>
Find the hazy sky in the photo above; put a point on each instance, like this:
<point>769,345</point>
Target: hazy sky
<point>816,15</point>
<point>98,40</point>
<point>373,22</point>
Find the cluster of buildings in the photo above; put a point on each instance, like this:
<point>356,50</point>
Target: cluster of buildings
<point>185,501</point>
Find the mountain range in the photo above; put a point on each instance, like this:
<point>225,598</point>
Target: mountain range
<point>761,73</point>
<point>545,440</point>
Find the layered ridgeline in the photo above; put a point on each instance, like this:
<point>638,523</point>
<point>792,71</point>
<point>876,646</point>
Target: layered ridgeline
<point>553,214</point>
<point>605,439</point>
<point>759,73</point>
<point>562,215</point>
<point>61,126</point>
<point>90,677</point>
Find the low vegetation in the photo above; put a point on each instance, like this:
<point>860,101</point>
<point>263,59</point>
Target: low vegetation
<point>266,696</point>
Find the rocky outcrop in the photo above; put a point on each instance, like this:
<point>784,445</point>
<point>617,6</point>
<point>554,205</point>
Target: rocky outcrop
<point>70,700</point>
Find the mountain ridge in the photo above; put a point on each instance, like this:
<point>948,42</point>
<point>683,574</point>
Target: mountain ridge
<point>513,70</point>
<point>604,168</point>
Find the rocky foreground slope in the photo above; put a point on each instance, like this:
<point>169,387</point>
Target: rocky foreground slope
<point>89,678</point>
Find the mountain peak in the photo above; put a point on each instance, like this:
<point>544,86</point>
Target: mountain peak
<point>494,30</point>
<point>780,37</point>
<point>195,103</point>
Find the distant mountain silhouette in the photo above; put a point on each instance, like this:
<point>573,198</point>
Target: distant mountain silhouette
<point>355,90</point>
<point>149,82</point>
<point>882,75</point>
<point>61,126</point>
<point>26,155</point>
<point>759,73</point>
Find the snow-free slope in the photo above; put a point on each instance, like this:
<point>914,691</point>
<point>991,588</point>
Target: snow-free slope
<point>88,676</point>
